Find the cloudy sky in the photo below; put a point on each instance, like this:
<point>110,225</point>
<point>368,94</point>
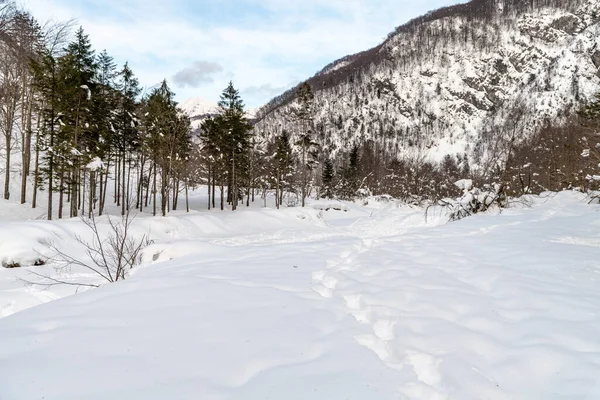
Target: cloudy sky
<point>263,46</point>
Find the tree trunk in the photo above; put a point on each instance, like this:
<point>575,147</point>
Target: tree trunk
<point>163,192</point>
<point>123,186</point>
<point>36,172</point>
<point>187,197</point>
<point>233,189</point>
<point>104,188</point>
<point>207,187</point>
<point>82,194</point>
<point>154,192</point>
<point>26,146</point>
<point>175,193</point>
<point>128,193</point>
<point>222,197</point>
<point>140,188</point>
<point>61,192</point>
<point>214,181</point>
<point>117,193</point>
<point>7,171</point>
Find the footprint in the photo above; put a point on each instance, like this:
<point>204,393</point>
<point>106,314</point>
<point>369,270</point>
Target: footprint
<point>384,329</point>
<point>345,254</point>
<point>318,276</point>
<point>353,301</point>
<point>330,282</point>
<point>427,386</point>
<point>426,367</point>
<point>323,291</point>
<point>374,344</point>
<point>362,316</point>
<point>380,348</point>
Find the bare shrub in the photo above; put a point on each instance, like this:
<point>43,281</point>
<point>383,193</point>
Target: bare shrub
<point>109,257</point>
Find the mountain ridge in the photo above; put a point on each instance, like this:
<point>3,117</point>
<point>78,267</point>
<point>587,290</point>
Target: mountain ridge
<point>444,80</point>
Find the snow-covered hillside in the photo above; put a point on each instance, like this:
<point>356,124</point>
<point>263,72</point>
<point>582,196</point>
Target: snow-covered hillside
<point>456,79</point>
<point>371,303</point>
<point>198,109</point>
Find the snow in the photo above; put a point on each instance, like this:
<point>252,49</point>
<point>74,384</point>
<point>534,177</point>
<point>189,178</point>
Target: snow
<point>464,184</point>
<point>372,303</point>
<point>445,92</point>
<point>95,165</point>
<point>198,106</point>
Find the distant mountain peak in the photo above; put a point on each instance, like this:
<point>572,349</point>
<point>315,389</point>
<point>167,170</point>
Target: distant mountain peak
<point>199,107</point>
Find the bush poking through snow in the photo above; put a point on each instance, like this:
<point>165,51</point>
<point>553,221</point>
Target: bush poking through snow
<point>474,200</point>
<point>110,257</point>
<point>17,264</point>
<point>11,264</point>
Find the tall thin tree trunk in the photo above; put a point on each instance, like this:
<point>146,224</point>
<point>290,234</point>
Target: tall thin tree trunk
<point>148,187</point>
<point>214,181</point>
<point>128,198</point>
<point>207,187</point>
<point>233,192</point>
<point>61,192</point>
<point>82,194</point>
<point>104,188</point>
<point>118,181</point>
<point>92,193</point>
<point>277,189</point>
<point>222,197</point>
<point>8,144</point>
<point>139,199</point>
<point>123,186</point>
<point>187,197</point>
<point>154,192</point>
<point>36,172</point>
<point>175,194</point>
<point>26,146</point>
<point>50,170</point>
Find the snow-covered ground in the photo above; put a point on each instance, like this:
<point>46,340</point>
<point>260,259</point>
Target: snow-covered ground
<point>366,302</point>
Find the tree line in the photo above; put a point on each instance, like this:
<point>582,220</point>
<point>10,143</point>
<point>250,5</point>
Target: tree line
<point>77,119</point>
<point>81,124</point>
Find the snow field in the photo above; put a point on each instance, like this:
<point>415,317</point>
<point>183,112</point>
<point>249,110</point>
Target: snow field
<point>371,303</point>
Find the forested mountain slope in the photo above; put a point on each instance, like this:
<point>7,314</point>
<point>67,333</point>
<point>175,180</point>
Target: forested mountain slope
<point>455,80</point>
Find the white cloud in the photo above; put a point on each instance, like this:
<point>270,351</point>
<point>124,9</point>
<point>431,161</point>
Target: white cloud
<point>199,73</point>
<point>259,43</point>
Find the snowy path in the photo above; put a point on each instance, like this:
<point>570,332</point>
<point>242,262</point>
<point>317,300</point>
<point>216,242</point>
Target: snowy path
<point>382,306</point>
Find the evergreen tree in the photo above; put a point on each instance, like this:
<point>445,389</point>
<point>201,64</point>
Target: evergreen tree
<point>327,178</point>
<point>77,69</point>
<point>307,145</point>
<point>104,103</point>
<point>235,140</point>
<point>168,140</point>
<point>45,81</point>
<point>284,163</point>
<point>126,138</point>
<point>351,175</point>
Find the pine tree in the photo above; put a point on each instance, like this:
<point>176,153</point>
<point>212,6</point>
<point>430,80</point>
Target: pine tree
<point>126,138</point>
<point>307,145</point>
<point>284,163</point>
<point>168,140</point>
<point>351,175</point>
<point>45,81</point>
<point>235,143</point>
<point>105,102</point>
<point>327,178</point>
<point>77,71</point>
